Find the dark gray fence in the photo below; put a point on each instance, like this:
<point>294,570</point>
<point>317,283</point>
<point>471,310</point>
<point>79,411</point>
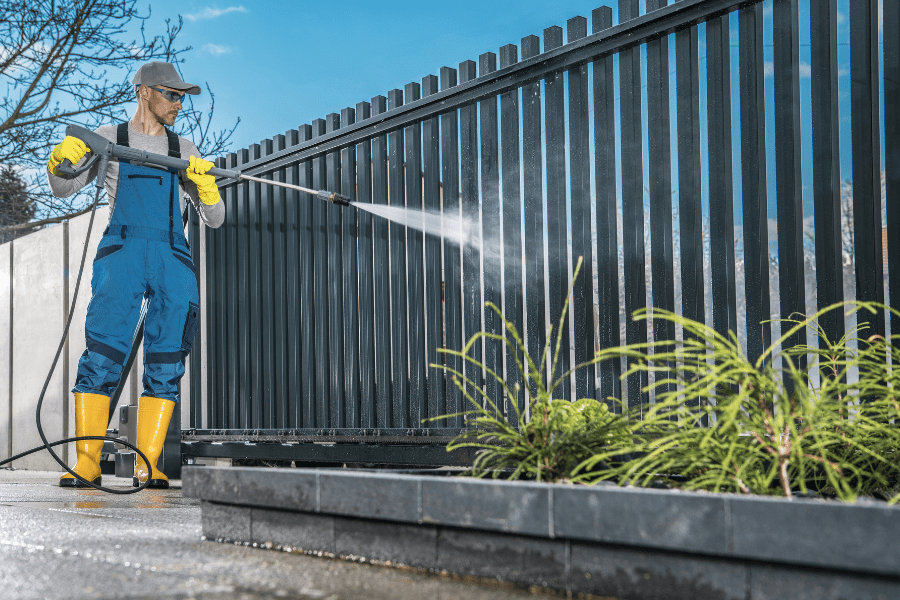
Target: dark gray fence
<point>322,321</point>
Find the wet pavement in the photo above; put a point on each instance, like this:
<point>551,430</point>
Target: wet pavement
<point>73,544</point>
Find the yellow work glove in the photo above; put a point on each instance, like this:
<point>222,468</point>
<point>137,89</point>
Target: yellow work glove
<point>206,184</point>
<point>70,148</point>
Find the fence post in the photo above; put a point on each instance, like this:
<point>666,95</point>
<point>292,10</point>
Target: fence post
<point>468,197</point>
<point>864,100</point>
<point>557,234</point>
<point>632,199</point>
<point>826,164</point>
<point>452,280</point>
<point>365,247</point>
<point>399,328</point>
<point>431,139</point>
<point>512,230</point>
<point>580,192</point>
<point>381,277</point>
<point>533,203</point>
<point>753,176</point>
<point>351,310</point>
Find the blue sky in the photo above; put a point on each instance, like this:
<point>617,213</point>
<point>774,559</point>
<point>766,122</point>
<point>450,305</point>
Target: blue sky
<point>278,65</point>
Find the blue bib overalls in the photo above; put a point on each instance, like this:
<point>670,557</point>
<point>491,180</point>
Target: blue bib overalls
<point>143,252</point>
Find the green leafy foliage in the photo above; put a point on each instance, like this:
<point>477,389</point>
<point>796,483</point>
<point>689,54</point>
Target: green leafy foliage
<point>723,423</point>
<point>720,422</point>
<point>558,436</point>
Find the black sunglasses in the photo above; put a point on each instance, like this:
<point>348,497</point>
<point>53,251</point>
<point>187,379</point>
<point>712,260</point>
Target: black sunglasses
<point>172,97</point>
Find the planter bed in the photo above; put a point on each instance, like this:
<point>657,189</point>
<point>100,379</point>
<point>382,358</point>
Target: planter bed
<point>626,543</point>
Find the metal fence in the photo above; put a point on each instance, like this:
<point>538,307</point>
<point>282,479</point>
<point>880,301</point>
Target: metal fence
<point>323,322</point>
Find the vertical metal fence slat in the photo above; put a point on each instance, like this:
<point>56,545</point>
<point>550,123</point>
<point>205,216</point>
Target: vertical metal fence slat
<point>434,338</point>
<point>196,354</point>
<point>351,309</point>
<point>533,204</point>
<point>415,266</point>
<point>292,385</point>
<point>659,152</point>
<point>282,398</point>
<point>607,225</point>
<point>319,273</point>
<point>512,230</point>
<point>252,315</point>
<point>660,185</point>
<point>892,152</point>
<point>381,277</point>
<point>788,179</point>
<point>690,199</point>
<point>226,273</point>
<point>335,299</point>
<point>399,328</point>
<point>864,118</point>
<point>215,321</point>
<point>826,163</point>
<point>452,280</point>
<point>580,192</point>
<point>306,234</point>
<point>632,199</point>
<point>468,194</point>
<point>490,232</point>
<point>366,277</point>
<point>270,298</point>
<point>557,234</point>
<point>721,186</point>
<point>241,409</point>
<point>753,179</point>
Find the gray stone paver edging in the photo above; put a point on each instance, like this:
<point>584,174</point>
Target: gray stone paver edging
<point>859,540</point>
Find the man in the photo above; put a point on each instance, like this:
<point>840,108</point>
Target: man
<point>143,252</point>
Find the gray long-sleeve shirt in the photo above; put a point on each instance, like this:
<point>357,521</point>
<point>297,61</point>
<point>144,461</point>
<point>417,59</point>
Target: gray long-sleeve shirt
<point>212,216</point>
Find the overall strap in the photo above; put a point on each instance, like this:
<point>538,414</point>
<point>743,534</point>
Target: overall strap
<point>174,146</point>
<point>122,134</point>
<point>174,152</point>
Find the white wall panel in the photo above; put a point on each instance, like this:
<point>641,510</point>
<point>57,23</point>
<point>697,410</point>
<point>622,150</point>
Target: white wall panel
<point>38,324</point>
<point>5,355</point>
<point>78,228</point>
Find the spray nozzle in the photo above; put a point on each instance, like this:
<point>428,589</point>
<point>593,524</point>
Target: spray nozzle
<point>334,198</point>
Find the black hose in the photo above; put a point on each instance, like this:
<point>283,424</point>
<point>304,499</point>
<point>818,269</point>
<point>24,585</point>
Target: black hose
<point>101,175</point>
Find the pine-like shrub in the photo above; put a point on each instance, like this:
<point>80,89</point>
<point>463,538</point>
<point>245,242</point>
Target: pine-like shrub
<point>723,423</point>
<point>558,436</point>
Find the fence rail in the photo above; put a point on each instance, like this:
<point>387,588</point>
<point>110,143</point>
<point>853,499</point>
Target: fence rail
<point>325,321</point>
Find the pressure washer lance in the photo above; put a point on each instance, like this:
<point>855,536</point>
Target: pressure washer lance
<point>100,146</point>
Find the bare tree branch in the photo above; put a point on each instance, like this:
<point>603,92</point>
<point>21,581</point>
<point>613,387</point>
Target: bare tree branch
<point>71,62</point>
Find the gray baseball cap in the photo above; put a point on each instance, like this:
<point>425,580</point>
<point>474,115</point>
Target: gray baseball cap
<point>163,73</point>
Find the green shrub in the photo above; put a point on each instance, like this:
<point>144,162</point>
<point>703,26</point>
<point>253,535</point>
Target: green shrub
<point>559,435</point>
<point>720,422</point>
<point>724,423</point>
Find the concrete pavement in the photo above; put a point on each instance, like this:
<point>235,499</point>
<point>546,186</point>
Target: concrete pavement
<point>73,544</point>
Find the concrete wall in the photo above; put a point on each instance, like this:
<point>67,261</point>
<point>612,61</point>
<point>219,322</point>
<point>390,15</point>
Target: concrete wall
<point>38,273</point>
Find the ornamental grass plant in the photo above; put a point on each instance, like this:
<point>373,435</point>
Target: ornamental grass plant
<point>723,423</point>
<point>720,422</point>
<point>560,434</point>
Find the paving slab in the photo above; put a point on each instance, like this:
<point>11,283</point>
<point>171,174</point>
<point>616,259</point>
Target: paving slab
<point>80,544</point>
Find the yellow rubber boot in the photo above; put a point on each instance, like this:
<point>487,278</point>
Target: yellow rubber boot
<point>91,418</point>
<point>153,422</point>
